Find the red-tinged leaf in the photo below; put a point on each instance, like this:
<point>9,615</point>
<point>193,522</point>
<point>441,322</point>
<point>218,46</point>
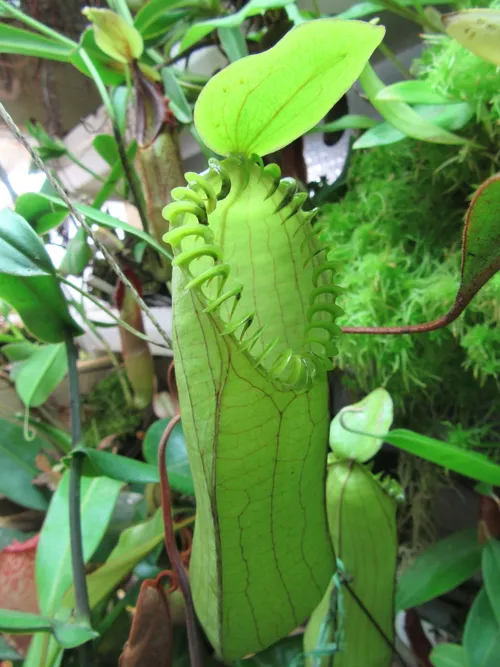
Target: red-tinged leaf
<point>17,584</point>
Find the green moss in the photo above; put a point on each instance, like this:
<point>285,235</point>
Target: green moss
<point>105,412</point>
<point>397,236</point>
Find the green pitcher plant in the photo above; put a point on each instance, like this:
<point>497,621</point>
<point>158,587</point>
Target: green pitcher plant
<point>253,331</point>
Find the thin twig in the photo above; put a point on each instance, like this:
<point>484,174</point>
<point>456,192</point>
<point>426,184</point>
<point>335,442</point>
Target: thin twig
<point>79,217</point>
<point>173,552</point>
<point>75,520</point>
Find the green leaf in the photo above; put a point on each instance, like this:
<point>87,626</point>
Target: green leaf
<point>25,43</point>
<point>413,92</point>
<point>361,9</point>
<point>491,574</point>
<point>156,16</point>
<point>21,250</point>
<point>105,220</point>
<point>41,374</point>
<point>117,467</point>
<point>8,535</point>
<point>134,544</point>
<point>111,72</point>
<point>233,43</point>
<point>119,98</point>
<point>478,30</point>
<point>374,414</point>
<point>449,655</point>
<point>53,558</point>
<point>449,117</point>
<point>18,468</point>
<point>439,569</point>
<point>106,146</point>
<point>77,256</point>
<point>114,35</point>
<point>179,472</point>
<point>19,351</point>
<point>281,654</point>
<point>8,653</point>
<point>482,633</point>
<point>402,116</point>
<point>40,213</point>
<point>347,122</point>
<point>467,463</point>
<point>59,438</point>
<point>68,635</point>
<point>178,102</point>
<point>203,28</point>
<point>263,102</point>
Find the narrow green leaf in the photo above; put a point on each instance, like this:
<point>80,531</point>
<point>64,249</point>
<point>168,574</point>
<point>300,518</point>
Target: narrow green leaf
<point>482,633</point>
<point>77,256</point>
<point>203,28</point>
<point>465,462</point>
<point>402,116</point>
<point>118,467</point>
<point>19,351</point>
<point>53,558</point>
<point>348,122</point>
<point>106,146</point>
<point>8,653</point>
<point>374,414</point>
<point>21,250</point>
<point>491,574</point>
<point>41,374</point>
<point>478,30</point>
<point>26,43</point>
<point>156,16</point>
<point>18,468</point>
<point>68,635</point>
<point>413,92</point>
<point>119,99</point>
<point>439,569</point>
<point>41,214</point>
<point>361,9</point>
<point>178,102</point>
<point>449,655</point>
<point>263,102</point>
<point>233,43</point>
<point>176,459</point>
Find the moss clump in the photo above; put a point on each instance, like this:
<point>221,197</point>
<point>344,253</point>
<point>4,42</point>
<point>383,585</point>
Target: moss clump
<point>397,236</point>
<point>105,412</point>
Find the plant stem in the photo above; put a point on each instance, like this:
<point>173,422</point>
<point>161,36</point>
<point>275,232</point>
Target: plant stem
<point>75,520</point>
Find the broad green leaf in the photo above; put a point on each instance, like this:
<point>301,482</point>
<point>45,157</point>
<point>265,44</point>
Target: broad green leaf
<point>105,220</point>
<point>111,72</point>
<point>134,544</point>
<point>478,30</point>
<point>114,35</point>
<point>465,462</point>
<point>176,460</point>
<point>21,250</point>
<point>106,146</point>
<point>348,122</point>
<point>41,374</point>
<point>18,468</point>
<point>402,116</point>
<point>41,214</point>
<point>118,467</point>
<point>374,414</point>
<point>203,28</point>
<point>263,102</point>
<point>439,569</point>
<point>68,635</point>
<point>491,574</point>
<point>26,43</point>
<point>157,15</point>
<point>77,256</point>
<point>449,655</point>
<point>178,102</point>
<point>449,117</point>
<point>53,558</point>
<point>8,653</point>
<point>19,351</point>
<point>233,43</point>
<point>281,654</point>
<point>482,633</point>
<point>56,436</point>
<point>413,92</point>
